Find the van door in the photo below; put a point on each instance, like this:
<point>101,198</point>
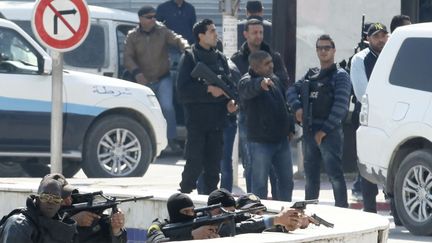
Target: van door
<point>25,96</point>
<point>121,33</point>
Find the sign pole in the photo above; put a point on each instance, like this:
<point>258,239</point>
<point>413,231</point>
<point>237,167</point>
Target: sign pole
<point>57,112</point>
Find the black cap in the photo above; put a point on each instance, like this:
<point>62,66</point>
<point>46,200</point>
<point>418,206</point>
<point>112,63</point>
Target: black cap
<point>247,201</point>
<point>67,188</point>
<point>175,203</point>
<point>376,28</point>
<point>221,196</point>
<point>50,186</point>
<point>145,10</point>
<point>254,6</point>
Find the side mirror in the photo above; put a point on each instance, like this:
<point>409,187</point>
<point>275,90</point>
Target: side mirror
<point>45,65</point>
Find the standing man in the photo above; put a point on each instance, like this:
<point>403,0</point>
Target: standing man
<point>179,16</point>
<point>362,65</point>
<point>254,10</point>
<point>205,109</point>
<point>146,58</point>
<point>321,113</point>
<point>254,34</point>
<point>268,126</point>
<point>40,220</point>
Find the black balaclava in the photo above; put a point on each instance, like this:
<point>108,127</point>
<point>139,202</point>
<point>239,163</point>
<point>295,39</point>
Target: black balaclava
<point>175,203</point>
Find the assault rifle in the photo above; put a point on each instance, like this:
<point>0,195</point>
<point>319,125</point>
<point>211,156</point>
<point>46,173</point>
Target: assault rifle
<point>206,218</point>
<point>314,219</point>
<point>86,202</point>
<point>204,73</point>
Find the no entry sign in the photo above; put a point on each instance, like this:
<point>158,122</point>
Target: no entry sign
<point>61,24</point>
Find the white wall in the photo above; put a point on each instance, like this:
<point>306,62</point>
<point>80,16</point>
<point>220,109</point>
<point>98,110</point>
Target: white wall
<point>341,19</point>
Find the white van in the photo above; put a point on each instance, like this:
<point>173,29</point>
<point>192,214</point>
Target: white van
<point>111,127</point>
<point>394,141</point>
<point>101,52</point>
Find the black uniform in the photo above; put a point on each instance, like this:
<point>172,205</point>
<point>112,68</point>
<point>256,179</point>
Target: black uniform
<point>29,226</point>
<point>205,116</point>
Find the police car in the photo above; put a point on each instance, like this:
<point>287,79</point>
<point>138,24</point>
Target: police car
<point>112,128</point>
<point>394,141</point>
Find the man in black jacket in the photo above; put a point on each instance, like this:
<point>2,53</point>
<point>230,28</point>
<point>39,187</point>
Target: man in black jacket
<point>254,34</point>
<point>39,222</point>
<point>268,126</point>
<point>254,10</point>
<point>205,108</point>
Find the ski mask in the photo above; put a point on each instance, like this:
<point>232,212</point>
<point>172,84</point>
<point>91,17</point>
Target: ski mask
<point>175,203</point>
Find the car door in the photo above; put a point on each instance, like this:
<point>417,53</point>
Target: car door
<point>25,96</point>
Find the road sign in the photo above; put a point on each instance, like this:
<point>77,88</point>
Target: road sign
<point>61,25</point>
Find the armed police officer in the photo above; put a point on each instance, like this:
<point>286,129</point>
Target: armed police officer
<point>320,101</point>
<point>39,221</point>
<point>92,227</point>
<point>205,109</point>
<point>180,210</point>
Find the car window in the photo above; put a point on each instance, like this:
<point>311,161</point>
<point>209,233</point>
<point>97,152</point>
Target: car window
<point>412,68</point>
<point>92,52</point>
<point>16,54</point>
<point>121,33</point>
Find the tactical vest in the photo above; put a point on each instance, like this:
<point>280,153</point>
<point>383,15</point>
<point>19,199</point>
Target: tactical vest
<point>321,95</point>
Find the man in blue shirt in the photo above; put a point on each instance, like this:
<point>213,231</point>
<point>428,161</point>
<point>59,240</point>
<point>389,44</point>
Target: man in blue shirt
<point>179,16</point>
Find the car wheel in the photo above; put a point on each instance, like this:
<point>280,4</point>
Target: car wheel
<point>11,169</point>
<point>37,168</point>
<point>117,146</point>
<point>413,192</point>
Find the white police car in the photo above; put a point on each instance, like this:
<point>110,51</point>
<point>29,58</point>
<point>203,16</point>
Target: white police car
<point>394,141</point>
<point>112,128</point>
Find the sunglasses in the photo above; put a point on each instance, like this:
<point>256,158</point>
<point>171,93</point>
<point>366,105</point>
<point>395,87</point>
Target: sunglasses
<point>324,48</point>
<point>49,198</point>
<point>149,16</point>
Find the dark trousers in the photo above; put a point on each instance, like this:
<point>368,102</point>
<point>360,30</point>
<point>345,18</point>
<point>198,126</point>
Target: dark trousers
<point>369,193</point>
<point>329,152</point>
<point>203,153</point>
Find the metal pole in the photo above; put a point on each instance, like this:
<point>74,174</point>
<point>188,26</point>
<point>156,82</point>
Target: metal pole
<point>57,112</point>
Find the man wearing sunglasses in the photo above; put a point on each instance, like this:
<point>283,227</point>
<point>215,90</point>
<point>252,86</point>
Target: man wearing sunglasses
<point>39,221</point>
<point>146,58</point>
<point>327,102</point>
<point>91,227</point>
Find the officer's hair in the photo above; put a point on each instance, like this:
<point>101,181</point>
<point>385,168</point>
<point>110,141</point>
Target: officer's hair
<point>201,27</point>
<point>325,37</point>
<point>254,7</point>
<point>397,21</point>
<point>257,57</point>
<point>252,21</point>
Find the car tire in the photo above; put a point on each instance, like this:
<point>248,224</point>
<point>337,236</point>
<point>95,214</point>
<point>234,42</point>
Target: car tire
<point>37,168</point>
<point>413,192</point>
<point>11,169</point>
<point>117,146</point>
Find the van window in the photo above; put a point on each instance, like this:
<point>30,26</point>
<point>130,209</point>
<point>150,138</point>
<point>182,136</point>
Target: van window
<point>412,68</point>
<point>121,32</point>
<point>91,53</point>
<point>16,54</point>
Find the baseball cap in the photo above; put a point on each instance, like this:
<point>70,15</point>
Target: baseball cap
<point>247,201</point>
<point>67,188</point>
<point>376,28</point>
<point>50,186</point>
<point>221,196</point>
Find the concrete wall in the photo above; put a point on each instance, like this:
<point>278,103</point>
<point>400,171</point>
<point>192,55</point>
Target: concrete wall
<point>339,18</point>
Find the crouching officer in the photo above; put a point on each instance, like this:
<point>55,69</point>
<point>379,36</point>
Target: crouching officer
<point>180,210</point>
<point>91,228</point>
<point>320,102</point>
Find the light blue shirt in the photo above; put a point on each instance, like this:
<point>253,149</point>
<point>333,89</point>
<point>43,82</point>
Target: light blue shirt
<point>358,74</point>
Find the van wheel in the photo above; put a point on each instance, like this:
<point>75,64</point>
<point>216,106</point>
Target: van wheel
<point>117,146</point>
<point>11,169</point>
<point>413,192</point>
<point>37,168</point>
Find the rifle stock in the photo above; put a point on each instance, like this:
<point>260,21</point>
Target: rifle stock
<point>203,72</point>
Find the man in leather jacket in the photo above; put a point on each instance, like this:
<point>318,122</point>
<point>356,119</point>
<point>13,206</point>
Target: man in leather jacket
<point>39,222</point>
